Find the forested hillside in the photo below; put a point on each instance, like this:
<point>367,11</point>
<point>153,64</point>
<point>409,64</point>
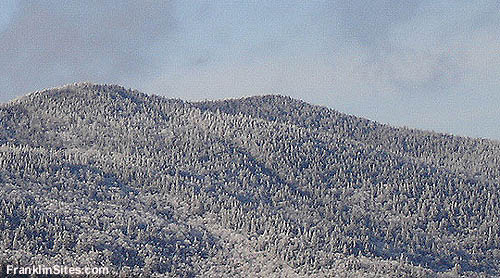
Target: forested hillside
<point>264,186</point>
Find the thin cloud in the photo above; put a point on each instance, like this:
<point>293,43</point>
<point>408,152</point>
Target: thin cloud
<point>54,42</point>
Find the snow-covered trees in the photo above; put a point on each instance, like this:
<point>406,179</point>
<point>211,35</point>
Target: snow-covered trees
<point>104,175</point>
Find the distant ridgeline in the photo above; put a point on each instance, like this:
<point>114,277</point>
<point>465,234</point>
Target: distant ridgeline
<point>267,186</point>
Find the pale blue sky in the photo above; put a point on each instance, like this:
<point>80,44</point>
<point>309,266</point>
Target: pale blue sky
<point>425,64</point>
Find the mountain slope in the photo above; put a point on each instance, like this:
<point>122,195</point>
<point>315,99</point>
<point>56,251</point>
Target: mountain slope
<point>479,157</point>
<point>100,175</point>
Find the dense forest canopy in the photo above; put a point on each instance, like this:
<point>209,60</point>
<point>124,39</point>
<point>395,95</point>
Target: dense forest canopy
<point>100,175</point>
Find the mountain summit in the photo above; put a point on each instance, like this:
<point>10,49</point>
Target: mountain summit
<point>264,186</point>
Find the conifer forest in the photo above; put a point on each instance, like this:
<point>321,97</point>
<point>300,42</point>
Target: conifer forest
<point>263,186</point>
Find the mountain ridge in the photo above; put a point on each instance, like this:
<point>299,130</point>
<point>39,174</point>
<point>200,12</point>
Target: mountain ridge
<point>305,187</point>
<point>362,133</point>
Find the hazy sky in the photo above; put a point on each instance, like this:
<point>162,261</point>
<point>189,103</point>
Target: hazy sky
<point>426,64</point>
